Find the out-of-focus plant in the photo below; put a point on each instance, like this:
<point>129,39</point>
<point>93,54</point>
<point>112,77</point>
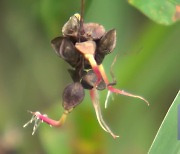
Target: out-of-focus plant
<point>161,11</point>
<point>166,139</point>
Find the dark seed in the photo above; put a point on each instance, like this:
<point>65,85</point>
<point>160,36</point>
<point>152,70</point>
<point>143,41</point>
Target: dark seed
<point>73,95</point>
<point>107,43</point>
<point>56,43</point>
<point>66,50</point>
<point>71,27</point>
<point>89,80</point>
<point>93,31</point>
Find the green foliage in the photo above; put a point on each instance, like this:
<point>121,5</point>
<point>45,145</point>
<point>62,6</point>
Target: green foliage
<point>161,11</point>
<point>166,138</point>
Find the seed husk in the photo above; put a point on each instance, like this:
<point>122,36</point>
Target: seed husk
<point>71,27</point>
<point>93,31</point>
<point>66,50</point>
<point>89,80</point>
<point>73,95</point>
<point>107,43</point>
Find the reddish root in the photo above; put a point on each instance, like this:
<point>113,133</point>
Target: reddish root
<point>122,92</point>
<point>39,118</point>
<point>118,91</point>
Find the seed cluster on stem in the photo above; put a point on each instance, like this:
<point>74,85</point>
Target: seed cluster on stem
<point>84,46</point>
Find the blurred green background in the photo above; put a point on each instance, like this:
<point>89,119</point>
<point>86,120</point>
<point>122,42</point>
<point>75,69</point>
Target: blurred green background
<point>32,78</point>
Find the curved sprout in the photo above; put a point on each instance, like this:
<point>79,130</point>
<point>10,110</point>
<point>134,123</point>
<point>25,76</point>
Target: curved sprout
<point>39,118</point>
<point>95,101</point>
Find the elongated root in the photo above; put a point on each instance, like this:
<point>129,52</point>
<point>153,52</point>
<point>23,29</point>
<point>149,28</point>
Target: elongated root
<point>117,91</point>
<point>122,92</point>
<point>107,98</point>
<point>95,101</point>
<point>39,118</point>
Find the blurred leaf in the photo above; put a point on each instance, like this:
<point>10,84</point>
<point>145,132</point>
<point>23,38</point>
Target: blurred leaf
<point>162,11</point>
<point>166,138</point>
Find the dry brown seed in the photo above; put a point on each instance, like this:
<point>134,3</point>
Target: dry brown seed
<point>56,43</point>
<point>89,80</point>
<point>66,50</point>
<point>71,27</point>
<point>107,43</point>
<point>93,31</point>
<point>73,95</point>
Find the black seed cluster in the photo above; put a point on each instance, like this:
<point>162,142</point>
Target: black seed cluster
<point>81,72</point>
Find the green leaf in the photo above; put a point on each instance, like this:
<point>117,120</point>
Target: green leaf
<point>161,11</point>
<point>166,140</point>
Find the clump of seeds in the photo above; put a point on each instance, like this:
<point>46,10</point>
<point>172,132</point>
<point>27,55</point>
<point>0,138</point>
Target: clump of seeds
<point>84,46</point>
